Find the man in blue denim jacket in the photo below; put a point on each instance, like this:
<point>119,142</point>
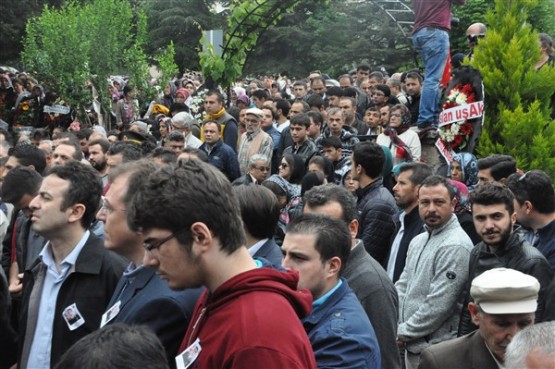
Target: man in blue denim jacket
<point>338,328</point>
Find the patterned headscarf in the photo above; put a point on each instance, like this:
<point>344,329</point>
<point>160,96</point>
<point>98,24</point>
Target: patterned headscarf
<point>469,167</point>
<point>462,195</point>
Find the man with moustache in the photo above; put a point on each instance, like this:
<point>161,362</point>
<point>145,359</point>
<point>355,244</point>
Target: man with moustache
<point>503,245</point>
<point>97,158</point>
<point>435,273</point>
<point>140,297</point>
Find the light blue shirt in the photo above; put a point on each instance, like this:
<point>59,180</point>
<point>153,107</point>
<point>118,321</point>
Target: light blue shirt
<point>325,296</point>
<point>39,355</point>
<point>254,248</point>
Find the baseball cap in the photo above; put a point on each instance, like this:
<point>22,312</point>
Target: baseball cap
<point>505,291</point>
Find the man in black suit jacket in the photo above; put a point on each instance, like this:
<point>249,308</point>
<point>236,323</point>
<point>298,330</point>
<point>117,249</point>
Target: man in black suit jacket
<point>260,214</point>
<point>408,223</point>
<point>258,170</point>
<point>73,270</point>
<point>141,297</point>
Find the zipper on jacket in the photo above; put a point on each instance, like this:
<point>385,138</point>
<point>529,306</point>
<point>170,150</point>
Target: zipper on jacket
<point>201,315</point>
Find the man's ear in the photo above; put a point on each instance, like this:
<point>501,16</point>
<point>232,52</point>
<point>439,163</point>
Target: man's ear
<point>474,313</point>
<point>202,237</point>
<point>76,213</point>
<point>353,228</point>
<point>334,266</point>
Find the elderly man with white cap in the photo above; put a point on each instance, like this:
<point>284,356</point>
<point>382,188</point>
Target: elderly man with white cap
<point>505,301</point>
<point>254,140</point>
<point>183,122</point>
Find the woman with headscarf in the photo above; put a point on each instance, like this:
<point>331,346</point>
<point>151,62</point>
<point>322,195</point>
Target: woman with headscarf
<point>289,199</point>
<point>403,142</point>
<point>464,168</point>
<point>463,210</point>
<point>168,96</point>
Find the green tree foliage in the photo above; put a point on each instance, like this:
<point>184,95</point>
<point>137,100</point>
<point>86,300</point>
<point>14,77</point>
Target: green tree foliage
<point>474,11</point>
<point>99,38</point>
<point>12,25</point>
<point>333,39</point>
<point>247,21</point>
<point>180,22</point>
<point>517,120</point>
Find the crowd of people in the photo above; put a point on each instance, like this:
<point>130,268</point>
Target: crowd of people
<point>307,223</point>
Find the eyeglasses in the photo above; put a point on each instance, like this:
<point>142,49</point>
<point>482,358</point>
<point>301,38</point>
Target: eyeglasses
<point>398,115</point>
<point>283,165</point>
<point>263,169</point>
<point>474,38</point>
<point>106,208</point>
<point>149,246</point>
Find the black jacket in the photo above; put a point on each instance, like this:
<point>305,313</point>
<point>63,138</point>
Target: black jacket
<point>517,254</point>
<point>375,208</point>
<point>414,225</point>
<point>90,286</point>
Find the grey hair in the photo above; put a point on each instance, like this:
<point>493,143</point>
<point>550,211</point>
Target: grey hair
<point>258,157</point>
<point>332,111</point>
<point>538,338</point>
<point>183,120</point>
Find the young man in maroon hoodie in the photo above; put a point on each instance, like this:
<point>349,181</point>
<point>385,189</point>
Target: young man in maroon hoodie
<point>249,315</point>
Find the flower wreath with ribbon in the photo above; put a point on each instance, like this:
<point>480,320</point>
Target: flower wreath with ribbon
<point>457,135</point>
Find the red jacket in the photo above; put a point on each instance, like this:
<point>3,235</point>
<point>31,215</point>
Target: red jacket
<point>253,321</point>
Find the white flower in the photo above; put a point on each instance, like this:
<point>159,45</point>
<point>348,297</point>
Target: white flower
<point>461,99</point>
<point>453,95</point>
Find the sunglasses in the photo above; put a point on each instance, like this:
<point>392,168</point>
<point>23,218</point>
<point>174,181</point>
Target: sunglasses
<point>283,165</point>
<point>474,38</point>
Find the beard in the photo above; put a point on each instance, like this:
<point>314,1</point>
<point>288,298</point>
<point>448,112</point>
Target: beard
<point>504,235</point>
<point>99,166</point>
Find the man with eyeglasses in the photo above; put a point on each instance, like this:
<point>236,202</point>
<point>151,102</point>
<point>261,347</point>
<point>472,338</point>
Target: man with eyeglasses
<point>258,170</point>
<point>254,140</point>
<point>249,315</point>
<point>73,270</point>
<point>140,297</point>
<point>503,245</point>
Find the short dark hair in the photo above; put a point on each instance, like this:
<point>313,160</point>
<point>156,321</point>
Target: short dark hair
<point>77,154</point>
<point>218,95</point>
<point>363,67</point>
<point>370,156</point>
<point>84,133</point>
<point>283,105</point>
<point>315,101</point>
<point>259,210</point>
<point>85,187</point>
<point>316,117</point>
<point>306,107</point>
<point>301,119</point>
<point>176,136</point>
<point>500,166</point>
<point>534,186</point>
<point>128,150</point>
<point>420,172</point>
<point>200,154</point>
<point>435,180</point>
<point>332,141</point>
<point>260,94</point>
<point>138,171</point>
<point>20,181</point>
<point>350,92</point>
<point>116,346</point>
<point>335,91</point>
<point>322,195</point>
<point>414,75</point>
<point>174,198</point>
<point>104,144</point>
<point>332,236</point>
<point>377,75</point>
<point>165,155</point>
<point>493,194</point>
<point>27,154</point>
